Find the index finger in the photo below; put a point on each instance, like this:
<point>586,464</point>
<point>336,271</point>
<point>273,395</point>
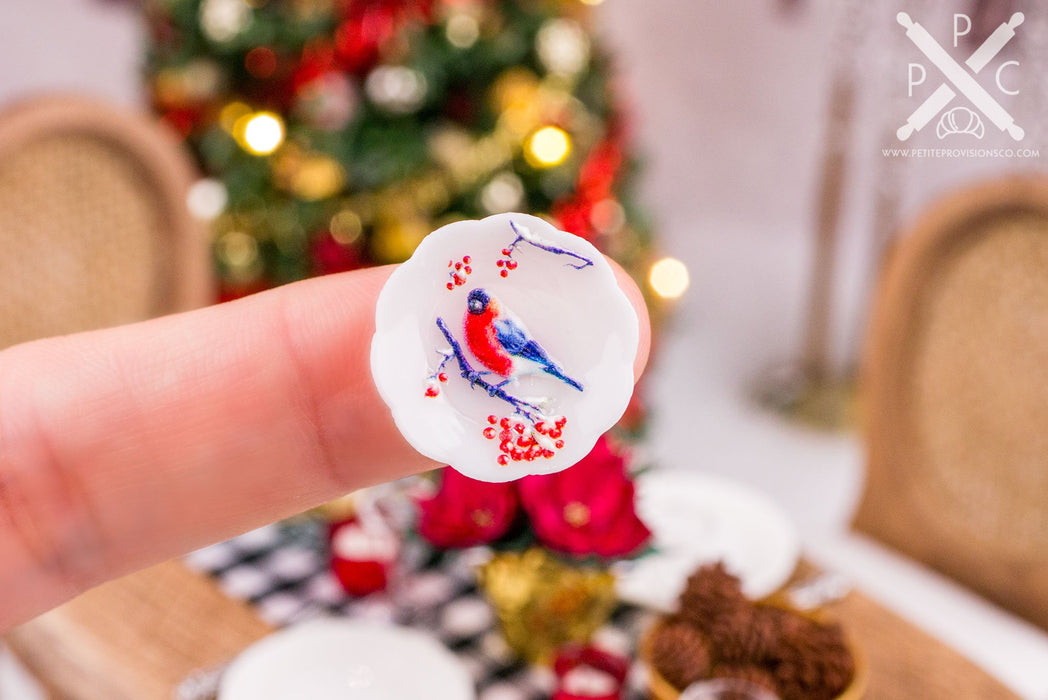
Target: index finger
<point>125,447</point>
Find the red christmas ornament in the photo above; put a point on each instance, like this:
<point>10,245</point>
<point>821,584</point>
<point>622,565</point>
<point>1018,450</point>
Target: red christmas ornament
<point>361,558</point>
<point>230,291</point>
<point>596,181</point>
<point>330,256</point>
<point>368,25</point>
<point>359,38</point>
<point>573,215</point>
<point>261,62</point>
<point>589,673</point>
<point>182,119</point>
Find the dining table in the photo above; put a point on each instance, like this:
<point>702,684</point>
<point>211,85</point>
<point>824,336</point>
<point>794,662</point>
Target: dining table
<point>170,630</point>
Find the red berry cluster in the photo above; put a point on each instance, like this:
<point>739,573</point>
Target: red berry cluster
<point>506,262</point>
<point>432,390</point>
<point>520,442</point>
<point>458,271</point>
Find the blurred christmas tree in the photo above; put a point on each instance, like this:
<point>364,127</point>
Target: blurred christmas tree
<point>338,133</point>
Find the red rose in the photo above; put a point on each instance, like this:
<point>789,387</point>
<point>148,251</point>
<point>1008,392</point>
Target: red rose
<point>467,512</point>
<point>587,509</point>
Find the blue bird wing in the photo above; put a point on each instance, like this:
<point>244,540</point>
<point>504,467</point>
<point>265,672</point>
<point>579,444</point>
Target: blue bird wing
<point>517,343</point>
<point>510,335</point>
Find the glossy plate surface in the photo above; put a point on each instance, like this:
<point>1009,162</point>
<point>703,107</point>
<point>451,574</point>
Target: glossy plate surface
<point>504,347</point>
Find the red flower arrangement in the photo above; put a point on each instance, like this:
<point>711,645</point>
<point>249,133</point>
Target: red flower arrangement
<point>467,512</point>
<point>585,510</point>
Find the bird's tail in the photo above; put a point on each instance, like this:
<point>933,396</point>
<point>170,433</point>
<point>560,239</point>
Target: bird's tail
<point>556,372</point>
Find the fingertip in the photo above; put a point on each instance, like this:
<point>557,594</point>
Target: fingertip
<point>636,297</point>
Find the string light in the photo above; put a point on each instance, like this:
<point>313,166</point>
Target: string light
<point>207,199</point>
<point>232,113</point>
<point>547,147</point>
<point>260,133</point>
<point>505,192</point>
<point>318,177</point>
<point>462,30</point>
<point>239,251</point>
<point>223,20</point>
<point>668,278</point>
<point>346,227</point>
<point>562,46</point>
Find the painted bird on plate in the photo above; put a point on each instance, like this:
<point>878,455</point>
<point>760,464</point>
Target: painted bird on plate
<point>502,344</point>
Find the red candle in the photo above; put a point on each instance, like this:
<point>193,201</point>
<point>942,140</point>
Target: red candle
<point>589,673</point>
<point>361,557</point>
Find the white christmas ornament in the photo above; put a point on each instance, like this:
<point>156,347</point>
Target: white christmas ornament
<point>504,347</point>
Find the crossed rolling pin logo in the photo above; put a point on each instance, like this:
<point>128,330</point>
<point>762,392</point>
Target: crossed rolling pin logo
<point>959,80</point>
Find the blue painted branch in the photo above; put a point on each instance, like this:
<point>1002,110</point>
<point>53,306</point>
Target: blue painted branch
<point>586,262</point>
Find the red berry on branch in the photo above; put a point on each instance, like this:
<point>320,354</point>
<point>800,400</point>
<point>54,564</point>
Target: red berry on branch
<point>432,391</point>
<point>540,427</point>
<point>502,460</point>
<point>450,286</point>
<point>469,270</point>
<point>466,259</point>
<point>504,423</point>
<point>504,274</point>
<point>493,419</point>
<point>458,266</point>
<point>561,422</point>
<point>442,376</point>
<point>500,263</point>
<point>489,433</point>
<point>559,444</point>
<point>554,434</point>
<point>507,251</point>
<point>511,264</point>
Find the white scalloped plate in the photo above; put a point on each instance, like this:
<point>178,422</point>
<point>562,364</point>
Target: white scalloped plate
<point>698,519</point>
<point>574,310</point>
<point>336,659</point>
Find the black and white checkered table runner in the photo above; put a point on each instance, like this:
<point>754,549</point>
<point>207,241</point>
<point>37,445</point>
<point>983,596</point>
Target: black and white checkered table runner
<point>282,570</point>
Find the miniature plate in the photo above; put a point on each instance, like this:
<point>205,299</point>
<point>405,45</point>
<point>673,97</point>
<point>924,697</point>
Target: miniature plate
<point>504,347</point>
<point>337,659</point>
<point>699,519</point>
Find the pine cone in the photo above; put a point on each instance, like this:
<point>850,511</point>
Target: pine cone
<point>744,636</point>
<point>751,674</point>
<point>813,662</point>
<point>680,653</point>
<point>709,593</point>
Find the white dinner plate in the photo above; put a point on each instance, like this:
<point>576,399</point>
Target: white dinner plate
<point>697,519</point>
<point>329,659</point>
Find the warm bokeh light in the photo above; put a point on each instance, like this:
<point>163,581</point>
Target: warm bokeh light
<point>668,278</point>
<point>547,147</point>
<point>207,198</point>
<point>346,227</point>
<point>462,30</point>
<point>592,2</point>
<point>260,133</point>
